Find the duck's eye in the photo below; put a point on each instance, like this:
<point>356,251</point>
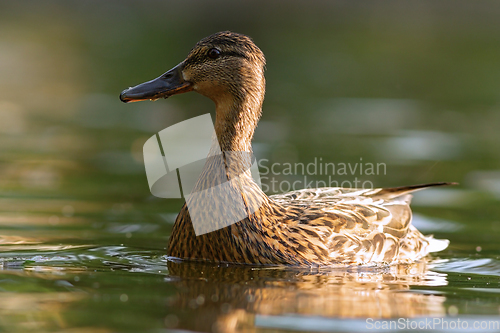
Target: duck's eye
<point>213,53</point>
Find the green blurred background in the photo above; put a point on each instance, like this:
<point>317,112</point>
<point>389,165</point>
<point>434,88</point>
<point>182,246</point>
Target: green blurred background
<point>414,85</point>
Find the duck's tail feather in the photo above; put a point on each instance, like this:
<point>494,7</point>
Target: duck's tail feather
<point>436,245</point>
<point>394,192</point>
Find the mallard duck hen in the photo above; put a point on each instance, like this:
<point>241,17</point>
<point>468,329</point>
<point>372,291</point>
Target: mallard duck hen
<point>311,227</point>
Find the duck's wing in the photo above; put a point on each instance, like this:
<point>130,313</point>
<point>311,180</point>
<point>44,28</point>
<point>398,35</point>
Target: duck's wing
<point>328,194</point>
<point>393,192</point>
<point>354,226</point>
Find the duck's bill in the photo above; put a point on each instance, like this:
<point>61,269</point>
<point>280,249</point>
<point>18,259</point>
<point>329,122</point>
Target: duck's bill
<point>168,84</point>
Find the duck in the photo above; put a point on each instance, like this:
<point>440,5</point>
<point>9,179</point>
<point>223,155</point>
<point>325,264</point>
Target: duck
<point>320,227</point>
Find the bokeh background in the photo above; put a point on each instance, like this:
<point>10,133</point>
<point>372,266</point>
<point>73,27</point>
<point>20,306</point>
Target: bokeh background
<point>411,84</point>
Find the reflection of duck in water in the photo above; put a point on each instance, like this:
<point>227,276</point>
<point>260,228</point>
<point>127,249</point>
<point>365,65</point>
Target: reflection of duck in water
<point>226,298</point>
<point>311,227</point>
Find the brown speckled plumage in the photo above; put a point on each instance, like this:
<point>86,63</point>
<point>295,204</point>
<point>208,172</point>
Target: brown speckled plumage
<point>310,227</point>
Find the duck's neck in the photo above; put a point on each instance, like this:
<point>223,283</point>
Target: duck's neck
<point>237,116</point>
<point>235,123</point>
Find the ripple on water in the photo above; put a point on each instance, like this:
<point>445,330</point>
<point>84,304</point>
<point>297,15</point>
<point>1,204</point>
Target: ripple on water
<point>482,266</point>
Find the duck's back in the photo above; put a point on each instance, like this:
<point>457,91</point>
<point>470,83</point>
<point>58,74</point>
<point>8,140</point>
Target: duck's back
<point>356,226</point>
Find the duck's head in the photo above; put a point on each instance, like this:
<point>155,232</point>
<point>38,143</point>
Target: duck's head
<point>225,67</point>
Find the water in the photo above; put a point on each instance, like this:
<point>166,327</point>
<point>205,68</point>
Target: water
<point>83,242</point>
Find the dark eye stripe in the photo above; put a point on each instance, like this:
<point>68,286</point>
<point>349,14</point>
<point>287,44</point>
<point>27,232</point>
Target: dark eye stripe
<point>233,53</point>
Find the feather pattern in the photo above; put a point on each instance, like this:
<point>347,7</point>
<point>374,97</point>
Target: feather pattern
<point>312,227</point>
